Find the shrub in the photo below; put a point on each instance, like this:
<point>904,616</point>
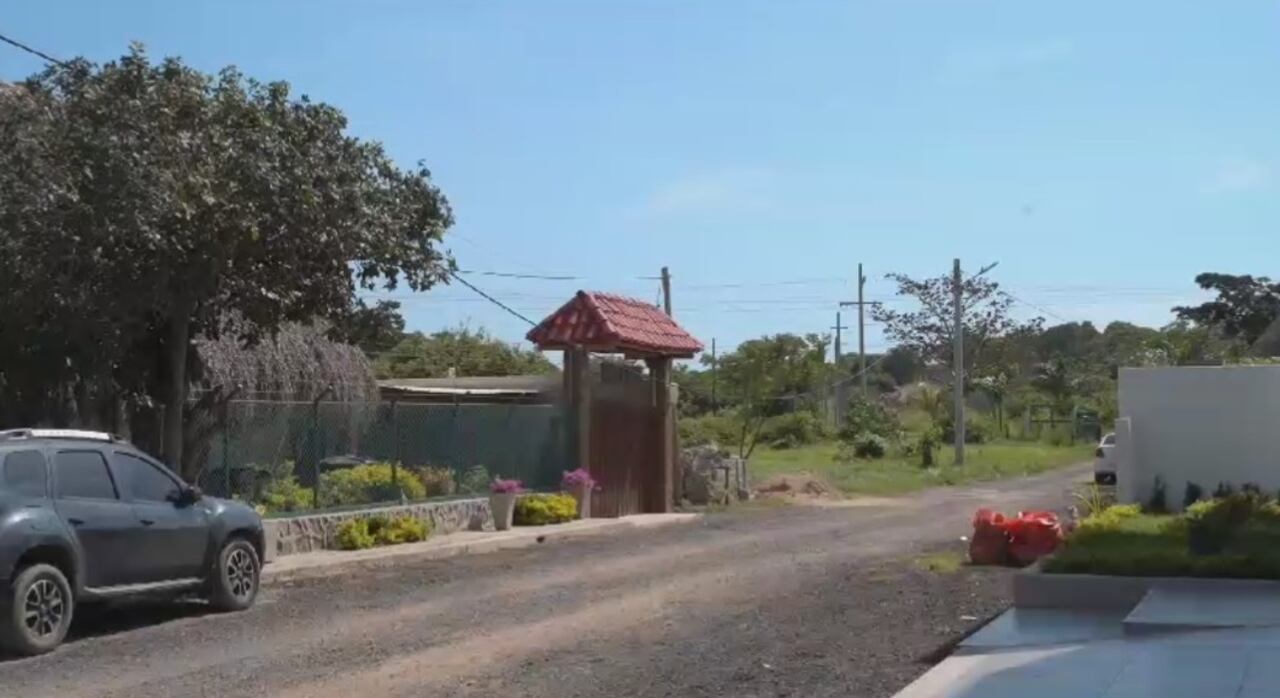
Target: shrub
<point>870,446</point>
<point>474,480</point>
<point>1157,504</point>
<point>977,430</point>
<point>1191,494</point>
<point>402,529</point>
<point>708,429</point>
<point>1110,518</point>
<point>865,416</point>
<point>285,494</point>
<point>1223,490</point>
<point>540,509</point>
<point>792,429</point>
<point>354,535</point>
<point>927,444</point>
<point>358,534</point>
<point>370,483</point>
<point>436,482</point>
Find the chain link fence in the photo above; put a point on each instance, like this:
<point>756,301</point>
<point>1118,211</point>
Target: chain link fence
<point>299,456</point>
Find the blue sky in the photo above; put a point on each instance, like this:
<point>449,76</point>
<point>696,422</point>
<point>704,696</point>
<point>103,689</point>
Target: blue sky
<point>1102,152</point>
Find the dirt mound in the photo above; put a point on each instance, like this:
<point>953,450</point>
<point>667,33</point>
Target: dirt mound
<point>796,486</point>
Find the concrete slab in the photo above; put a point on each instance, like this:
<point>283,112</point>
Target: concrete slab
<point>326,562</point>
<point>1033,627</point>
<point>1220,663</point>
<point>1188,608</point>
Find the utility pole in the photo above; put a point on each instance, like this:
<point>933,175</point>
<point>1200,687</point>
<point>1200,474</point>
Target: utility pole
<point>957,329</point>
<point>666,291</point>
<point>715,405</point>
<point>838,412</point>
<point>957,332</point>
<point>862,327</point>
<point>862,333</point>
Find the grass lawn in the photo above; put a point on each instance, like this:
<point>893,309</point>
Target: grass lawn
<point>893,475</point>
<point>1156,545</point>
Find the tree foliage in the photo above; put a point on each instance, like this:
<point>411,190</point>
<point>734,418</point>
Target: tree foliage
<point>1244,308</point>
<point>465,351</point>
<point>771,375</point>
<point>145,205</point>
<point>929,330</point>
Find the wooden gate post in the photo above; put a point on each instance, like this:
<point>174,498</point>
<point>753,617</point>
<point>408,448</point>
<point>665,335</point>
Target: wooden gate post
<point>660,374</point>
<point>577,395</point>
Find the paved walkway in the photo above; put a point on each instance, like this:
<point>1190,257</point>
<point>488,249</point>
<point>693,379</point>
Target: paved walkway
<point>1194,640</point>
<point>327,562</point>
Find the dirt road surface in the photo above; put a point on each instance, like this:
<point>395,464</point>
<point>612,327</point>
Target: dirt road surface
<point>781,601</point>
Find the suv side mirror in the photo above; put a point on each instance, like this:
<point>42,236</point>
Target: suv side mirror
<point>188,495</point>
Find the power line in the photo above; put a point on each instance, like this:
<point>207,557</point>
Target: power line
<point>1050,313</point>
<point>35,52</point>
<point>490,298</point>
<point>515,275</point>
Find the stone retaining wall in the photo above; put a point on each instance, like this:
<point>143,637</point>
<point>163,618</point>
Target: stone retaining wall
<point>302,534</point>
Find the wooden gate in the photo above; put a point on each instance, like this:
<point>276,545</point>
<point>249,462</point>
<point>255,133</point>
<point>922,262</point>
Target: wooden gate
<point>625,444</point>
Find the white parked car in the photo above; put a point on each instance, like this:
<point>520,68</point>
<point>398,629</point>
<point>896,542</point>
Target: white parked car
<point>1104,463</point>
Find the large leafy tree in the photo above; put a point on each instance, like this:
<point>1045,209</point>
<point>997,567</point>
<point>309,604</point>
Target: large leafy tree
<point>463,351</point>
<point>771,375</point>
<point>929,330</point>
<point>1244,308</point>
<point>144,205</point>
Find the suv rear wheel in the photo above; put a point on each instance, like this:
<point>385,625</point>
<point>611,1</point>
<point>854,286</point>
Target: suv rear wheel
<point>234,582</point>
<point>37,612</point>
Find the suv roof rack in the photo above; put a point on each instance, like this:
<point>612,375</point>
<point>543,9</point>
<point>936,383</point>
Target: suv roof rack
<point>85,434</point>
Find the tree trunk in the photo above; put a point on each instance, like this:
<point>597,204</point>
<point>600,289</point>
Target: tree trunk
<point>175,388</point>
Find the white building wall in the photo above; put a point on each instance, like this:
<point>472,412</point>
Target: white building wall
<point>1205,425</point>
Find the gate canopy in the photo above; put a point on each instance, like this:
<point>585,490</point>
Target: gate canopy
<point>605,323</point>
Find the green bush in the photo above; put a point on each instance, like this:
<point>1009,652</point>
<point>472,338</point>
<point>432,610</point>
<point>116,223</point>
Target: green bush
<point>977,430</point>
<point>475,480</point>
<point>540,509</point>
<point>870,446</point>
<point>358,534</point>
<point>709,429</point>
<point>868,416</point>
<point>368,484</point>
<point>285,494</point>
<point>437,482</point>
<point>354,535</point>
<point>792,430</point>
<point>402,529</point>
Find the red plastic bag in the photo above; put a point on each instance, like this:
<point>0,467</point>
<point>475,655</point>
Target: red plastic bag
<point>990,543</point>
<point>1032,535</point>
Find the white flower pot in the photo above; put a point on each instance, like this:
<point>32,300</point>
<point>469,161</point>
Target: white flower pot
<point>502,506</point>
<point>582,495</point>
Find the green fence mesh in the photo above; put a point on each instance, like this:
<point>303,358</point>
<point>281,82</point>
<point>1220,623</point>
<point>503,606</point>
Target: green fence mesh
<point>280,454</point>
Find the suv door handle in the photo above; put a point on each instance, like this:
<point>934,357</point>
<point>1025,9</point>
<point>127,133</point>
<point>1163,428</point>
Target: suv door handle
<point>76,522</point>
<point>147,522</point>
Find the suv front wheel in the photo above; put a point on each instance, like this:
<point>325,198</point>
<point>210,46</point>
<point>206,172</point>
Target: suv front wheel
<point>37,612</point>
<point>234,582</point>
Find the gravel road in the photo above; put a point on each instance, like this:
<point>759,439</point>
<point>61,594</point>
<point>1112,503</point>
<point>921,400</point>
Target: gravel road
<point>763,601</point>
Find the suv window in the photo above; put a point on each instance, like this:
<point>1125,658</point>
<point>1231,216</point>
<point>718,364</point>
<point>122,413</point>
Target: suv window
<point>25,473</point>
<point>144,481</point>
<point>1109,440</point>
<point>83,474</point>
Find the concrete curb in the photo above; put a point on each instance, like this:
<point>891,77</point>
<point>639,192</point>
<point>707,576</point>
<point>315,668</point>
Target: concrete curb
<point>329,562</point>
<point>1034,588</point>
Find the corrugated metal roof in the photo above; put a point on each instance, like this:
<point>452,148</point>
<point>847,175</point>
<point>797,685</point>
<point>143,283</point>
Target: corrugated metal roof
<point>610,323</point>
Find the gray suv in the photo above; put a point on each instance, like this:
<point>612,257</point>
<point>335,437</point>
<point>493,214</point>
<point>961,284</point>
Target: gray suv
<point>85,517</point>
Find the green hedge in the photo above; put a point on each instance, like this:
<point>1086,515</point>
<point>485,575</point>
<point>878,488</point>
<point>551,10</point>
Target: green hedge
<point>358,534</point>
<point>370,484</point>
<point>540,509</point>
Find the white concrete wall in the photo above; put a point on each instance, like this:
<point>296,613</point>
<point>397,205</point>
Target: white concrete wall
<point>1200,424</point>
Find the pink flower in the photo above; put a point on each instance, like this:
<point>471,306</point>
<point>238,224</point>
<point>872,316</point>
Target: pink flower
<point>577,478</point>
<point>500,486</point>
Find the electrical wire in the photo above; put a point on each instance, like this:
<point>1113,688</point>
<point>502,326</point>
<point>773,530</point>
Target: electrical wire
<point>490,298</point>
<point>35,52</point>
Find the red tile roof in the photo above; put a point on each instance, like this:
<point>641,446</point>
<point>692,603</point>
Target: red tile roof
<point>608,323</point>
